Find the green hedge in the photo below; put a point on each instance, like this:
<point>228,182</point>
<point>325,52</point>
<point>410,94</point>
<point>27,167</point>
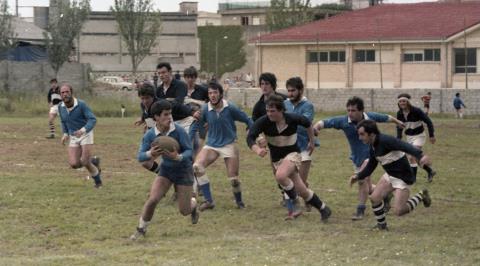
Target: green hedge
<point>231,52</point>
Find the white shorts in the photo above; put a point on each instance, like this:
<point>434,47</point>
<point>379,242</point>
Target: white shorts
<point>227,151</point>
<point>54,109</point>
<point>305,156</point>
<point>395,182</point>
<point>357,169</point>
<point>293,157</point>
<point>417,140</point>
<point>85,139</point>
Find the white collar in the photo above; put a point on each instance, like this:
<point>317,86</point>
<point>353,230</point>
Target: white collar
<point>170,129</point>
<point>210,106</point>
<point>365,117</point>
<point>75,103</point>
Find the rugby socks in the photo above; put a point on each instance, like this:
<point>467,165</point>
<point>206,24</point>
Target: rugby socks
<point>97,179</point>
<point>236,189</point>
<point>52,129</point>
<point>428,169</point>
<point>413,201</point>
<point>290,191</point>
<point>143,224</point>
<point>316,202</point>
<point>379,212</point>
<point>204,184</point>
<point>414,168</point>
<point>361,209</point>
<point>154,167</point>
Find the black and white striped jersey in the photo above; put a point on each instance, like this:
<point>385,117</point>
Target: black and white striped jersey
<point>414,122</point>
<point>281,141</point>
<point>390,153</point>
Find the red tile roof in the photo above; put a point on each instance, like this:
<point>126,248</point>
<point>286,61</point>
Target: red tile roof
<point>421,21</point>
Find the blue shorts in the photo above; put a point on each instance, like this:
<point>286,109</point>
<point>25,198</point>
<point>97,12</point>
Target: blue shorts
<point>178,176</point>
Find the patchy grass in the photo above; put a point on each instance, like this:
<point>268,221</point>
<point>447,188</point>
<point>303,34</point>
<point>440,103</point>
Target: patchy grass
<point>50,215</point>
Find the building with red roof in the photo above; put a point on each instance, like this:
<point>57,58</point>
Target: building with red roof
<point>423,45</point>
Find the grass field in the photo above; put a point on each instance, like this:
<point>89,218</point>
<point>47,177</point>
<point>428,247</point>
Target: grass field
<point>50,215</point>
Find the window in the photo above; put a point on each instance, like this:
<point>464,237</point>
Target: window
<point>323,56</point>
<point>432,55</point>
<point>420,56</point>
<point>245,21</point>
<point>364,55</point>
<point>470,65</point>
<point>326,56</point>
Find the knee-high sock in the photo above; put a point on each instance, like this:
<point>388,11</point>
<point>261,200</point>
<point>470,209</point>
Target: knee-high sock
<point>204,184</point>
<point>413,201</point>
<point>379,212</point>
<point>236,188</point>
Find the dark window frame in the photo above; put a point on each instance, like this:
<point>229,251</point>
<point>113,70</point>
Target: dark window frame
<point>365,56</point>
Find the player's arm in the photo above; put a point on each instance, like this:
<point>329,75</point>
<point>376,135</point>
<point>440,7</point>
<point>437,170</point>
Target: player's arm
<point>91,119</point>
<point>367,171</point>
<point>399,123</point>
<point>145,151</point>
<point>307,124</point>
<point>65,136</point>
<point>431,131</point>
<point>185,147</point>
<point>241,116</point>
<point>252,136</point>
<point>399,129</point>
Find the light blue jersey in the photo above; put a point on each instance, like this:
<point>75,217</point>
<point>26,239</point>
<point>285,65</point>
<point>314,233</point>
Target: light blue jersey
<point>221,125</point>
<point>359,150</point>
<point>78,117</point>
<point>305,108</point>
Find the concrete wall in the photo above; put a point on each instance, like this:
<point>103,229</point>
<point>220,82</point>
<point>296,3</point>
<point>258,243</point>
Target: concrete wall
<point>102,47</point>
<point>375,99</point>
<point>34,76</point>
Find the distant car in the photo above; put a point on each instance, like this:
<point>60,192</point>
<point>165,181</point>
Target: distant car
<point>118,83</point>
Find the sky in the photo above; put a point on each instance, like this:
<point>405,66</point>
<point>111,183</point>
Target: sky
<point>163,5</point>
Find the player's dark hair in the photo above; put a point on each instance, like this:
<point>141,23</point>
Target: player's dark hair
<point>457,94</point>
<point>166,65</point>
<point>159,106</point>
<point>275,101</point>
<point>53,80</point>
<point>357,101</point>
<point>406,95</point>
<point>295,82</point>
<point>146,90</point>
<point>215,86</point>
<point>190,72</point>
<point>270,78</point>
<point>369,126</point>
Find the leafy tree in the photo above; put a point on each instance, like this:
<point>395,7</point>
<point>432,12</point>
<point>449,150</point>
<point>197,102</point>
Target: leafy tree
<point>287,13</point>
<point>7,35</point>
<point>221,48</point>
<point>65,24</point>
<point>139,25</point>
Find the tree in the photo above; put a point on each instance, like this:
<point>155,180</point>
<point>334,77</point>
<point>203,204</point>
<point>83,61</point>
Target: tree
<point>222,49</point>
<point>139,25</point>
<point>287,13</point>
<point>7,34</point>
<point>64,26</point>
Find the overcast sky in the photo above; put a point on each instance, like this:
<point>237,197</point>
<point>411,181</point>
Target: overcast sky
<point>163,5</point>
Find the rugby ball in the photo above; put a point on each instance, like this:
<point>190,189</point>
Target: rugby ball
<point>166,143</point>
